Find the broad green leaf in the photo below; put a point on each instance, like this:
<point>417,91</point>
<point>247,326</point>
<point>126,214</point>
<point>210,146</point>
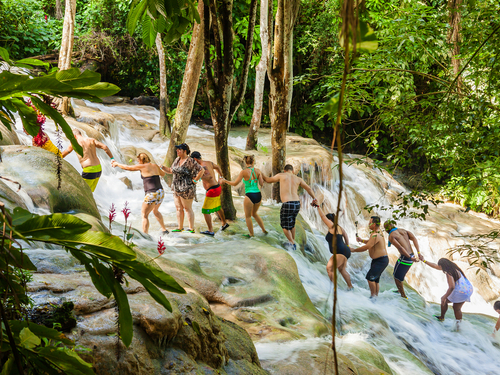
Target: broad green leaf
<point>148,31</point>
<point>28,340</point>
<point>183,24</point>
<point>59,120</point>
<point>331,107</point>
<point>367,40</point>
<point>124,315</point>
<point>46,85</point>
<point>50,333</point>
<point>8,366</point>
<point>9,82</point>
<point>68,361</point>
<point>134,15</point>
<point>157,277</point>
<point>20,215</point>
<point>33,62</point>
<point>4,54</point>
<point>96,277</point>
<point>76,79</point>
<point>19,260</point>
<point>57,226</point>
<point>28,117</point>
<point>153,291</point>
<point>97,90</point>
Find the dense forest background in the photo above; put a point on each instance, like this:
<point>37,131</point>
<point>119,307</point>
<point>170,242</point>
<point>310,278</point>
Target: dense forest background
<point>425,102</point>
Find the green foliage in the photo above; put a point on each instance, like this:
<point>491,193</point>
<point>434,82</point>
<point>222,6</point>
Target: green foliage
<point>479,250</point>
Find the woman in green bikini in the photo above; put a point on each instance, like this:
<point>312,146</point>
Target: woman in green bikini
<point>251,177</point>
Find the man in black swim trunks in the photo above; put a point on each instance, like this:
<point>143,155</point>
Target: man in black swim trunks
<point>401,238</point>
<point>212,200</point>
<point>289,186</point>
<point>376,248</point>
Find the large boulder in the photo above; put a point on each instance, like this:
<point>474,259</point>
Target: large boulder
<point>10,198</point>
<point>36,170</point>
<point>8,137</point>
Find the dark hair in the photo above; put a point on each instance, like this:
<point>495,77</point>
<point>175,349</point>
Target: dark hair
<point>375,220</point>
<point>450,268</point>
<point>196,155</point>
<point>288,167</point>
<point>496,305</point>
<point>185,147</point>
<point>331,217</point>
<point>249,159</point>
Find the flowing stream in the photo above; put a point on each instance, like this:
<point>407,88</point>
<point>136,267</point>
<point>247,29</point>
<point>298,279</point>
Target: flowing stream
<point>402,330</point>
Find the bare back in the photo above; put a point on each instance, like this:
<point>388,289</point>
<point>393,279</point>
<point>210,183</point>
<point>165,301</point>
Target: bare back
<point>150,169</point>
<point>378,250</point>
<point>208,177</point>
<point>401,236</point>
<point>289,186</point>
<point>89,157</point>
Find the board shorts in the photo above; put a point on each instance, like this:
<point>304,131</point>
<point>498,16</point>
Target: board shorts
<point>91,175</point>
<point>377,267</point>
<point>212,200</point>
<point>254,197</point>
<point>154,197</point>
<point>288,214</point>
<point>402,267</point>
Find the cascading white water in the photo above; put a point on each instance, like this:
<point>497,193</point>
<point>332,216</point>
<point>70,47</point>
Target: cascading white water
<point>402,330</point>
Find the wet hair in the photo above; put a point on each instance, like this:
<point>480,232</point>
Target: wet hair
<point>249,159</point>
<point>451,268</point>
<point>144,158</point>
<point>331,217</point>
<point>288,167</point>
<point>375,220</point>
<point>389,224</point>
<point>496,305</point>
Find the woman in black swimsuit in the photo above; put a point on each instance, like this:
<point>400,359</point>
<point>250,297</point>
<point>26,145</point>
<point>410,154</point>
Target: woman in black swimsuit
<point>150,174</point>
<point>343,251</point>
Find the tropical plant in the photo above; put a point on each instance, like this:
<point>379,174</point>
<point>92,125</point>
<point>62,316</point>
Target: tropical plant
<point>28,346</point>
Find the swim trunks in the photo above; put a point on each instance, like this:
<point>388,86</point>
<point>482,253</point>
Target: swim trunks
<point>154,197</point>
<point>377,267</point>
<point>288,214</point>
<point>212,200</point>
<point>254,197</point>
<point>462,292</point>
<point>91,175</point>
<point>402,266</point>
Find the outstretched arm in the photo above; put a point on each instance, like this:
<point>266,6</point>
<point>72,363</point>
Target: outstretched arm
<point>368,244</point>
<point>271,180</point>
<point>125,167</point>
<point>68,151</point>
<point>235,182</point>
<point>102,146</point>
<point>327,221</point>
<point>433,265</point>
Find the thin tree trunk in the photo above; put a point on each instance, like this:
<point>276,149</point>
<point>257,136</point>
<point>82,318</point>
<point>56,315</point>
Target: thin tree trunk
<point>59,13</point>
<point>280,76</point>
<point>454,37</point>
<point>260,78</point>
<point>164,103</point>
<point>189,88</point>
<point>67,46</point>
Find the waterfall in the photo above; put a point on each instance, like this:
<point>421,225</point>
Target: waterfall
<point>402,330</point>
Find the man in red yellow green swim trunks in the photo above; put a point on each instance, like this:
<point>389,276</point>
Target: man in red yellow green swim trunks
<point>89,161</point>
<point>212,199</point>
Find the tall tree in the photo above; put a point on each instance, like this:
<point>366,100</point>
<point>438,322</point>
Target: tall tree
<point>67,47</point>
<point>164,102</point>
<point>59,13</point>
<point>189,88</point>
<point>281,77</point>
<point>261,69</point>
<point>221,79</point>
<point>454,37</point>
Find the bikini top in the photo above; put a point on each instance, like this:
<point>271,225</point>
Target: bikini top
<point>151,183</point>
<point>252,186</point>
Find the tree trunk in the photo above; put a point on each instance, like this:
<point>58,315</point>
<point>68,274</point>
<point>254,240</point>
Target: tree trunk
<point>260,78</point>
<point>454,37</point>
<point>164,103</point>
<point>59,13</point>
<point>67,47</point>
<point>281,75</point>
<point>189,87</point>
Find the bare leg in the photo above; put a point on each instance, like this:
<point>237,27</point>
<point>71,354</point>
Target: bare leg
<point>293,233</point>
<point>159,216</point>
<point>222,217</point>
<point>257,217</point>
<point>248,206</point>
<point>179,211</point>
<point>329,268</point>
<point>208,219</point>
<point>373,288</point>
<point>187,204</point>
<point>145,211</point>
<point>457,309</point>
<point>288,234</point>
<point>444,307</point>
<point>342,266</point>
<point>400,287</point>
<point>377,288</point>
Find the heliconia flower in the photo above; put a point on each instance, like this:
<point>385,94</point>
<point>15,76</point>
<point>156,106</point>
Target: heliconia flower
<point>112,213</point>
<point>126,211</point>
<point>46,18</point>
<point>161,247</point>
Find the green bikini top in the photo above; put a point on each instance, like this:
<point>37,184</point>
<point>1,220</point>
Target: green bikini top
<point>252,186</point>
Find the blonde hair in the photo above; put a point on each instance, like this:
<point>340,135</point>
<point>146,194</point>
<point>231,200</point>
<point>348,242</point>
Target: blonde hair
<point>144,158</point>
<point>249,159</point>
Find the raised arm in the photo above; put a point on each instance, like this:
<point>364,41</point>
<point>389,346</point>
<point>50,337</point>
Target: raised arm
<point>433,265</point>
<point>235,182</point>
<point>68,151</point>
<point>368,244</point>
<point>102,146</point>
<point>327,221</point>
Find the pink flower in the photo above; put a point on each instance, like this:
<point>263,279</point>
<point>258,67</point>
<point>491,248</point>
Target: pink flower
<point>46,18</point>
<point>126,211</point>
<point>112,214</point>
<point>161,247</point>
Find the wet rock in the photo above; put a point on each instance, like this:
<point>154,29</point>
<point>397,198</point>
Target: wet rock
<point>127,182</point>
<point>130,154</point>
<point>8,137</point>
<point>35,169</point>
<point>99,120</point>
<point>9,196</point>
<point>112,99</point>
<point>152,101</point>
<point>87,129</point>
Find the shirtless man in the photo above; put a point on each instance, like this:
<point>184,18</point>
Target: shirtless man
<point>401,239</point>
<point>90,162</point>
<point>289,186</point>
<point>376,248</point>
<point>214,190</point>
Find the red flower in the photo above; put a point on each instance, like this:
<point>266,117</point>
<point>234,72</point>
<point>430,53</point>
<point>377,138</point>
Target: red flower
<point>126,211</point>
<point>112,214</point>
<point>161,247</point>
